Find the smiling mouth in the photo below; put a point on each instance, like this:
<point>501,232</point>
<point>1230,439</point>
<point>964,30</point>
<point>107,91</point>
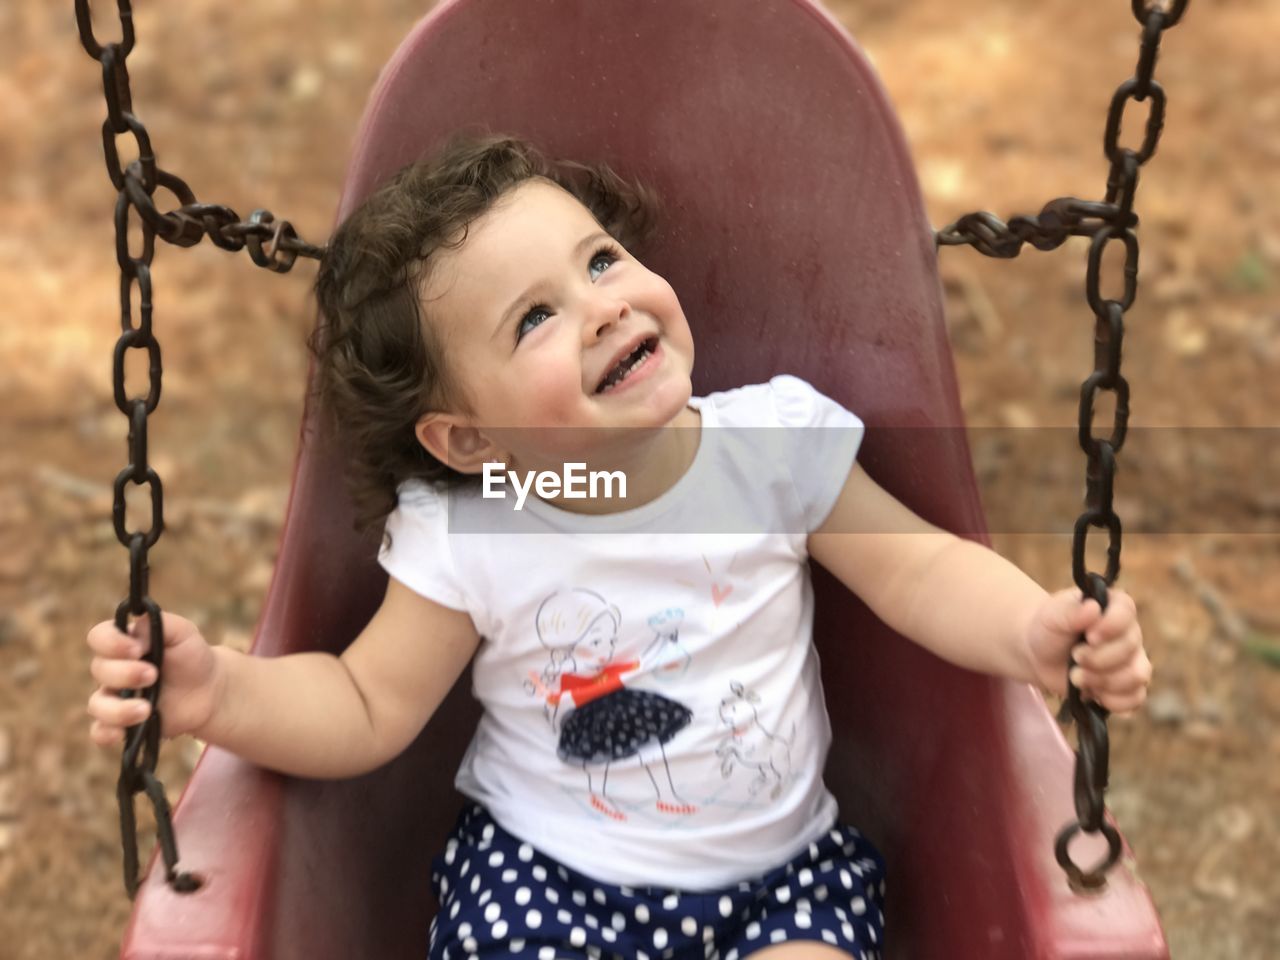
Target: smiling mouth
<point>627,365</point>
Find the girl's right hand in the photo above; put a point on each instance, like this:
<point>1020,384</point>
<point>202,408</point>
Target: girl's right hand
<point>191,679</point>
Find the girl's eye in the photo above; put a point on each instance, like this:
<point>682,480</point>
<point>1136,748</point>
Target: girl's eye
<point>601,260</point>
<point>531,320</point>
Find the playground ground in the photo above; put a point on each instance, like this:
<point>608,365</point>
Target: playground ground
<point>1003,104</point>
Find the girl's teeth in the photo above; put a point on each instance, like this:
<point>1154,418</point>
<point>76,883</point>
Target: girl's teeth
<point>645,353</point>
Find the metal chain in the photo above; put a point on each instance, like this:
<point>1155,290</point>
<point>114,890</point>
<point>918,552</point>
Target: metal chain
<point>1112,220</point>
<point>272,244</point>
<point>1061,218</point>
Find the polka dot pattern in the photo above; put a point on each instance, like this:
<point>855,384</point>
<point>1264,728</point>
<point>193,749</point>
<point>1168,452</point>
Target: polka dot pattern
<point>502,897</point>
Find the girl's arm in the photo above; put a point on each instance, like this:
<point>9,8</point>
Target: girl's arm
<point>972,607</point>
<point>307,714</point>
<point>317,715</point>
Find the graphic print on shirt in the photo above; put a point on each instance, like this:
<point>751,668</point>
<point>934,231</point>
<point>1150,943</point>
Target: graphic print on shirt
<point>667,658</point>
<point>609,722</point>
<point>749,744</point>
<point>720,591</point>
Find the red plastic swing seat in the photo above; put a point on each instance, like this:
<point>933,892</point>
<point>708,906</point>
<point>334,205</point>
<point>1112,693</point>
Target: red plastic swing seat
<point>794,233</point>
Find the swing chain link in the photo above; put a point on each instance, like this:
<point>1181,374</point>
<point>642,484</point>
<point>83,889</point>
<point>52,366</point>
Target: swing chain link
<point>191,221</point>
<point>1112,220</point>
<point>272,244</point>
<point>1061,218</point>
<point>1090,718</point>
<point>139,179</point>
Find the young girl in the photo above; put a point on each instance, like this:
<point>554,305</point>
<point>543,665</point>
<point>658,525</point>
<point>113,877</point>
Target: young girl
<point>646,777</point>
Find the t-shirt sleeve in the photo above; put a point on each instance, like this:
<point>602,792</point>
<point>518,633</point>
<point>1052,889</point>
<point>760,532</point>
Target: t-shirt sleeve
<point>822,443</point>
<point>416,547</point>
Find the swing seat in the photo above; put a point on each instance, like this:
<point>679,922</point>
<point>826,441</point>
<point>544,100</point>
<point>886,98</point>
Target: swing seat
<point>794,233</point>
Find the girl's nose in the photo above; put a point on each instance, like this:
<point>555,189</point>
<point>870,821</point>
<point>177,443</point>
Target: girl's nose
<point>605,312</point>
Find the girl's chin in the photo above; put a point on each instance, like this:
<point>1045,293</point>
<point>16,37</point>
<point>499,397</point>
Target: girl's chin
<point>667,410</point>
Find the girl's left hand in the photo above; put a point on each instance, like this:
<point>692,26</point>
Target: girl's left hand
<point>1111,667</point>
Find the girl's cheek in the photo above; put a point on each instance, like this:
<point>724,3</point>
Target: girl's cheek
<point>666,295</point>
<point>553,385</point>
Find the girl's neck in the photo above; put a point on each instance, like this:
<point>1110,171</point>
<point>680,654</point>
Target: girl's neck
<point>652,466</point>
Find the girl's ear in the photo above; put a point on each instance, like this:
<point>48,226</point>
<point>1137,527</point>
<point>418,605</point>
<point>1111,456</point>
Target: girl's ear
<point>451,440</point>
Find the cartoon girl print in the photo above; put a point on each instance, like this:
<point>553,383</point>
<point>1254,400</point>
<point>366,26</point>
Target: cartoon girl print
<point>750,744</point>
<point>666,656</point>
<point>610,722</point>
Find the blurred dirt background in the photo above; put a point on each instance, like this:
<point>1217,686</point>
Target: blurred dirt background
<point>1003,103</point>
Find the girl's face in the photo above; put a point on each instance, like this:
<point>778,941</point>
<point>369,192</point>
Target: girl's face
<point>548,323</point>
<point>595,648</point>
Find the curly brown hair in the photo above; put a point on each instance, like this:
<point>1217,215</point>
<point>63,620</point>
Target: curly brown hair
<point>379,365</point>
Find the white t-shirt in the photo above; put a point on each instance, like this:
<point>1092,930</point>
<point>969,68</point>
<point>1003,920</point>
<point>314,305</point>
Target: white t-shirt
<point>653,712</point>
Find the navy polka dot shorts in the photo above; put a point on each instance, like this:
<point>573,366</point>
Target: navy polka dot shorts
<point>501,898</point>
